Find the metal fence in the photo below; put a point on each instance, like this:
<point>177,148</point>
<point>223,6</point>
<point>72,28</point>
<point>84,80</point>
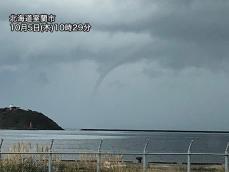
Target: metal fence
<point>99,153</point>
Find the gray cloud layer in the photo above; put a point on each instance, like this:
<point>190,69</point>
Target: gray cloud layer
<point>150,44</point>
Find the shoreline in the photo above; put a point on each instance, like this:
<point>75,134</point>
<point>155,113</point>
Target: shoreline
<point>167,131</point>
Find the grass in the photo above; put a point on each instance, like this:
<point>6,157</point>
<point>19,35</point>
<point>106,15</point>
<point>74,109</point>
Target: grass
<point>86,163</point>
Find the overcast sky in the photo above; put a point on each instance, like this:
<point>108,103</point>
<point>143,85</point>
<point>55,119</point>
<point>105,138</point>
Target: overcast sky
<point>144,65</point>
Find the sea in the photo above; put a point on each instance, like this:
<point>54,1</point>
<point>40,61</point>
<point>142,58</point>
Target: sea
<point>122,142</point>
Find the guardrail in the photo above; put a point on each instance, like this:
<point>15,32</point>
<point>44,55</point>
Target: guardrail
<point>144,154</point>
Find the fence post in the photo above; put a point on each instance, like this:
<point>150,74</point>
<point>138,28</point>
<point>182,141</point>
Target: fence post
<point>189,156</point>
<point>1,149</point>
<point>50,157</point>
<point>99,156</point>
<point>144,155</point>
<point>226,158</point>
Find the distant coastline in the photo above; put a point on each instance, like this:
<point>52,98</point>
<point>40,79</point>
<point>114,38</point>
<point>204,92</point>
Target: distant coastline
<point>177,131</point>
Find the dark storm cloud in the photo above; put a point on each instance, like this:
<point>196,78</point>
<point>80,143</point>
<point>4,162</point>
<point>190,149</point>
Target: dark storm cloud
<point>154,38</point>
<point>176,33</point>
<point>187,33</point>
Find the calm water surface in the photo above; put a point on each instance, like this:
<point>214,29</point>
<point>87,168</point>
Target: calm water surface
<point>116,141</point>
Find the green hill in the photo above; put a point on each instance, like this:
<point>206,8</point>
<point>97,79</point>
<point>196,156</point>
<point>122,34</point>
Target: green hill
<point>20,119</point>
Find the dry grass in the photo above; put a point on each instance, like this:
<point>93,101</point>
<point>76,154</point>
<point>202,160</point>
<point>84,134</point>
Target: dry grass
<point>86,163</point>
